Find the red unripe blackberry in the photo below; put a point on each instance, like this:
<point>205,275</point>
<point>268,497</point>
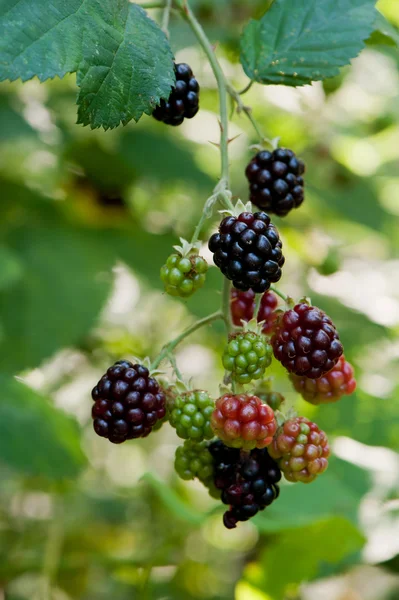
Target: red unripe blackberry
<point>127,403</point>
<point>247,481</point>
<point>247,249</point>
<point>243,307</point>
<point>276,182</point>
<point>306,341</point>
<point>243,421</point>
<point>301,450</point>
<point>183,102</point>
<point>338,382</point>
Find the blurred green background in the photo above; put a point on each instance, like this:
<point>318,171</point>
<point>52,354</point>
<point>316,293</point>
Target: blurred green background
<point>86,220</point>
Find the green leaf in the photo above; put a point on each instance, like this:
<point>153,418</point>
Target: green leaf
<point>123,60</point>
<point>296,556</point>
<point>177,507</point>
<point>299,41</point>
<point>127,65</point>
<point>172,156</point>
<point>10,268</point>
<point>36,438</point>
<point>331,495</point>
<point>384,34</point>
<point>39,38</point>
<point>12,124</point>
<point>66,282</point>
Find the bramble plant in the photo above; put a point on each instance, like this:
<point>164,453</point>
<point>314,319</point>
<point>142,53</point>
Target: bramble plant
<point>125,68</point>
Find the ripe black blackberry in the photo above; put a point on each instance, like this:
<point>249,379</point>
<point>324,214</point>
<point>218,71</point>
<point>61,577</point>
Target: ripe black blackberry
<point>183,101</point>
<point>127,403</point>
<point>276,182</point>
<point>247,250</point>
<point>248,481</point>
<point>306,341</point>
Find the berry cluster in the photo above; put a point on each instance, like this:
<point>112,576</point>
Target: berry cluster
<point>247,355</point>
<point>276,182</point>
<point>306,342</point>
<point>247,249</point>
<point>243,421</point>
<point>244,464</point>
<point>127,403</point>
<point>243,304</point>
<point>183,275</point>
<point>331,387</point>
<point>190,415</point>
<point>247,481</point>
<point>183,102</point>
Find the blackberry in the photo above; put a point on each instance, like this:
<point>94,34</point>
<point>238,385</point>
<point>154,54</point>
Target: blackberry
<point>127,403</point>
<point>301,450</point>
<point>330,387</point>
<point>243,421</point>
<point>247,249</point>
<point>243,306</point>
<point>193,459</point>
<point>306,341</point>
<point>247,481</point>
<point>246,356</point>
<point>183,102</point>
<point>184,275</point>
<point>276,182</point>
<point>190,415</point>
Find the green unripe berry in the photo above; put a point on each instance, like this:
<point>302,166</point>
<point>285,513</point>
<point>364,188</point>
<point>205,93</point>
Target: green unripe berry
<point>193,459</point>
<point>273,399</point>
<point>190,415</point>
<point>183,275</point>
<point>247,356</point>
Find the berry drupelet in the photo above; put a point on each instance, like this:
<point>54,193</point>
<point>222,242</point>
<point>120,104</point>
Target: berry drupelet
<point>276,182</point>
<point>338,382</point>
<point>242,306</point>
<point>301,450</point>
<point>248,251</point>
<point>127,403</point>
<point>306,341</point>
<point>243,421</point>
<point>247,481</point>
<point>183,102</point>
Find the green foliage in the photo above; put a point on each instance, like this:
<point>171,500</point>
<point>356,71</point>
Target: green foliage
<point>80,288</point>
<point>127,65</point>
<point>384,33</point>
<point>36,438</point>
<point>122,58</point>
<point>331,495</point>
<point>296,555</point>
<point>299,41</point>
<point>60,298</point>
<point>34,39</point>
<point>142,150</point>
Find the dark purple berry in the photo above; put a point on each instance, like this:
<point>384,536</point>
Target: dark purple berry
<point>248,251</point>
<point>127,403</point>
<point>306,341</point>
<point>275,181</point>
<point>247,481</point>
<point>183,101</point>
